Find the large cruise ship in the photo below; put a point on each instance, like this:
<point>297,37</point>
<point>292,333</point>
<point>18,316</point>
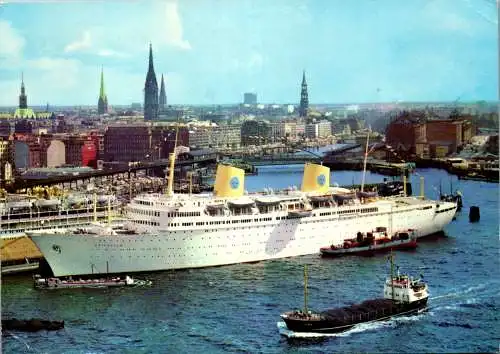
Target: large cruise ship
<point>232,226</point>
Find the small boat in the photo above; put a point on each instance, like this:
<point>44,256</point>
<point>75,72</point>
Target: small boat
<point>403,295</point>
<point>69,283</point>
<point>33,325</point>
<point>372,242</point>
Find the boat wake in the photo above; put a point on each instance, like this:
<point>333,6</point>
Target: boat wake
<point>461,292</point>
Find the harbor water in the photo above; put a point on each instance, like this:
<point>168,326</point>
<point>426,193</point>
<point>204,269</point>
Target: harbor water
<point>236,308</point>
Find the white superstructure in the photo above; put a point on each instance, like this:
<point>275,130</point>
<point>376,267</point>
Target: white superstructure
<point>188,231</point>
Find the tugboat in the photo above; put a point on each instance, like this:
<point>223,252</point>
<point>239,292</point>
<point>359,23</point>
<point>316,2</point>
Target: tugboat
<point>372,242</point>
<point>403,295</point>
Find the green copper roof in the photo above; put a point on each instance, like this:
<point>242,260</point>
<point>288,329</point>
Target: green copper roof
<point>24,113</point>
<point>102,93</point>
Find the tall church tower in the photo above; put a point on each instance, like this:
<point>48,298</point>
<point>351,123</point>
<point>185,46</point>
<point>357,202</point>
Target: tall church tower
<point>102,103</point>
<point>151,91</point>
<point>163,96</point>
<point>23,99</point>
<point>304,99</point>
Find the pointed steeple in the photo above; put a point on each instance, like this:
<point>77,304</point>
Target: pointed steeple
<point>102,103</point>
<point>151,66</point>
<point>151,90</point>
<point>304,98</point>
<point>101,91</point>
<point>23,99</point>
<point>163,96</point>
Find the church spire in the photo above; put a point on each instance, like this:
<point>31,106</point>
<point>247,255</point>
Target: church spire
<point>163,96</point>
<point>151,66</point>
<point>304,98</point>
<point>101,91</point>
<point>151,90</point>
<point>102,103</point>
<point>23,99</point>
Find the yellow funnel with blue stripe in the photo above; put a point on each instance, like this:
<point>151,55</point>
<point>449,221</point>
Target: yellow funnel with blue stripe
<point>229,181</point>
<point>316,178</point>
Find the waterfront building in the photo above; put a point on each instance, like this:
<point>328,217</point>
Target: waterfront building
<point>36,153</point>
<point>23,126</point>
<point>400,133</point>
<point>311,130</point>
<point>159,136</point>
<point>89,154</point>
<point>102,103</point>
<point>300,130</point>
<point>439,138</point>
<point>277,130</point>
<point>5,129</point>
<point>304,97</point>
<point>125,143</point>
<point>98,138</point>
<point>151,91</point>
<point>413,134</point>
<point>324,129</point>
<point>21,154</point>
<point>162,103</point>
<point>168,142</point>
<point>255,132</point>
<point>56,154</point>
<point>250,98</point>
<point>225,136</point>
<point>199,137</point>
<point>6,162</point>
<point>75,151</point>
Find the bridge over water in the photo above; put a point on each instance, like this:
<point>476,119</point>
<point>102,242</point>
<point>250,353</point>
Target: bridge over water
<point>281,159</point>
<point>293,155</point>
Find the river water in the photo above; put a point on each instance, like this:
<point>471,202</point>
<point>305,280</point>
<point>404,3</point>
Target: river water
<point>236,308</point>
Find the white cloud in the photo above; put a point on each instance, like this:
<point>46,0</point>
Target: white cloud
<point>12,42</point>
<point>62,76</point>
<point>83,43</point>
<point>56,72</point>
<point>111,53</point>
<point>173,27</point>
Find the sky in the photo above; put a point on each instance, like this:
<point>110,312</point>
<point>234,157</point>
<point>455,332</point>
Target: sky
<point>212,51</point>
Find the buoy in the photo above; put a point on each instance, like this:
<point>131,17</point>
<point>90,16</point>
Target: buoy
<point>474,215</point>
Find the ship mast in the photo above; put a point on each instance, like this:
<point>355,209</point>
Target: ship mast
<point>109,210</point>
<point>391,258</point>
<point>364,162</point>
<point>305,288</point>
<point>95,207</point>
<point>172,162</point>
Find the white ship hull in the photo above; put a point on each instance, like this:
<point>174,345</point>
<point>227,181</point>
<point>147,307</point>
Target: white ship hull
<point>236,239</point>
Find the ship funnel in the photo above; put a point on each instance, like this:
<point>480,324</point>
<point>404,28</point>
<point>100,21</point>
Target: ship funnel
<point>316,178</point>
<point>229,181</point>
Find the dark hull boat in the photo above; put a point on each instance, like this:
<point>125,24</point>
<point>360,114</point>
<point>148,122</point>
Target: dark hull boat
<point>342,319</point>
<point>403,295</point>
<point>32,325</point>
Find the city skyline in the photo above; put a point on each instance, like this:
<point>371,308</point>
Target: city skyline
<point>441,50</point>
